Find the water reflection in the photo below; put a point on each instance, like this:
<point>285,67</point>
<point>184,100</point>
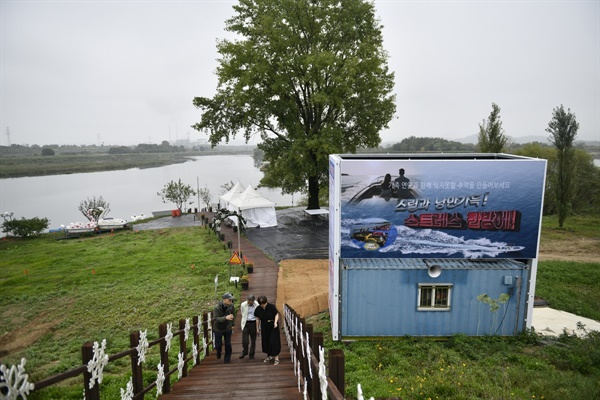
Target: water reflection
<point>129,192</point>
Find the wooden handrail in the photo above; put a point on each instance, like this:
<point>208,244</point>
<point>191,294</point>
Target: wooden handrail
<point>296,340</point>
<point>139,390</point>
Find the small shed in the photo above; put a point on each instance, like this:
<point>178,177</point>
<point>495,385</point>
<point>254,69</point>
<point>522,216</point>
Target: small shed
<point>433,244</point>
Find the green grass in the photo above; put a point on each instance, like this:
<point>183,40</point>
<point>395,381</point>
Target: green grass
<point>583,226</point>
<point>59,294</point>
<point>570,286</point>
<point>528,366</point>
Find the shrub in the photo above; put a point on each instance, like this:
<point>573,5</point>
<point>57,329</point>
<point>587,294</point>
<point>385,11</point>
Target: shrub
<point>47,151</point>
<point>25,227</point>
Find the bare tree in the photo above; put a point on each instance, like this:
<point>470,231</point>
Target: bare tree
<point>95,208</point>
<point>205,196</point>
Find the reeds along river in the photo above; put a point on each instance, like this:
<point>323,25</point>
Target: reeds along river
<point>129,192</point>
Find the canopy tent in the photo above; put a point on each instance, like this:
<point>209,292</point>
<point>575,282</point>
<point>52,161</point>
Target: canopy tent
<point>256,210</point>
<point>235,191</point>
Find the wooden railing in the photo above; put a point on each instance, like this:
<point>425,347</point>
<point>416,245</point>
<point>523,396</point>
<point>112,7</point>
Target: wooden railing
<point>92,391</point>
<point>306,348</point>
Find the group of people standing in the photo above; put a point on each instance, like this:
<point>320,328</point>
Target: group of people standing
<point>259,318</point>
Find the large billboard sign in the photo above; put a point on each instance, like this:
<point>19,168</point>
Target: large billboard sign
<point>440,208</point>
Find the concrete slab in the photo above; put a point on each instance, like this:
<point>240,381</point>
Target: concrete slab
<point>550,322</point>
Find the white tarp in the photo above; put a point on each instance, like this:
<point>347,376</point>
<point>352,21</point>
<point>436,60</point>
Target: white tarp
<point>256,210</point>
<point>235,191</point>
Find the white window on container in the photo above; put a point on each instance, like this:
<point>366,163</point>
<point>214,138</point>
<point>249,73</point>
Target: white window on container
<point>434,297</point>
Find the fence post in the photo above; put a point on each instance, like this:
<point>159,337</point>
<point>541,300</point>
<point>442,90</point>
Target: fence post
<point>196,336</point>
<point>336,369</point>
<point>136,370</point>
<point>205,323</point>
<point>317,341</point>
<point>182,345</point>
<point>87,354</point>
<point>164,356</point>
<point>309,366</point>
<point>301,350</point>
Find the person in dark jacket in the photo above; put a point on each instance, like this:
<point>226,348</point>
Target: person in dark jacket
<point>223,316</point>
<point>269,325</point>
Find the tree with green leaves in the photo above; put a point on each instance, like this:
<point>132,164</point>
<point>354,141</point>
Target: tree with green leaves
<point>563,129</point>
<point>176,192</point>
<point>310,77</point>
<point>491,135</point>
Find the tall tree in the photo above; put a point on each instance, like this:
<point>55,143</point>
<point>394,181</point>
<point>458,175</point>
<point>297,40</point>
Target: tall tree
<point>563,129</point>
<point>310,77</point>
<point>491,134</point>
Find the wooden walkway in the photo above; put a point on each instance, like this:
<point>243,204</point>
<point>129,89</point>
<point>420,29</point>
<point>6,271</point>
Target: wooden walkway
<point>245,378</point>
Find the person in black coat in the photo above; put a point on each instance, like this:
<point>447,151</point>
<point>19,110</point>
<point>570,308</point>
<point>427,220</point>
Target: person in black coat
<point>223,316</point>
<point>269,325</point>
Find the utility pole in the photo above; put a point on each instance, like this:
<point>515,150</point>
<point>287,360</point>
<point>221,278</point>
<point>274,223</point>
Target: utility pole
<point>7,136</point>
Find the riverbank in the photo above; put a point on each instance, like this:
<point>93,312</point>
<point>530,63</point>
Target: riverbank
<point>19,165</point>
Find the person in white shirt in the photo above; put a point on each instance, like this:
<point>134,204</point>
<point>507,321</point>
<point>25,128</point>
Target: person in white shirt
<point>249,326</point>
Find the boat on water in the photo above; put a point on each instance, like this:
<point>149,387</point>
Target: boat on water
<point>111,223</point>
<point>374,234</point>
<point>374,190</point>
<point>508,248</point>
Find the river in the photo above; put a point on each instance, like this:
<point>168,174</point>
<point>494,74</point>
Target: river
<point>129,192</point>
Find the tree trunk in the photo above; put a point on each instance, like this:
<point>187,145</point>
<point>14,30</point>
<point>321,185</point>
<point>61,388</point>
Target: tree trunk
<point>313,193</point>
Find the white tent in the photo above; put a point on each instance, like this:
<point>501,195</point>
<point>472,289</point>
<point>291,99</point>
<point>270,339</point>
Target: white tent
<point>257,210</point>
<point>234,192</point>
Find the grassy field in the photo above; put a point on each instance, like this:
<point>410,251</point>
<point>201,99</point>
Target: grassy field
<point>58,294</point>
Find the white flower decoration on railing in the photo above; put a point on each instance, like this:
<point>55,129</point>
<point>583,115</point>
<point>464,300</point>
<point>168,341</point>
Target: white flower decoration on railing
<point>293,355</point>
<point>204,346</point>
<point>360,394</point>
<point>186,330</point>
<point>142,347</point>
<point>299,375</point>
<point>199,323</point>
<point>14,382</point>
<point>301,339</point>
<point>96,365</point>
<point>195,352</point>
<point>169,336</point>
<point>308,356</point>
<point>180,365</point>
<point>160,379</point>
<point>305,389</point>
<point>127,394</point>
<point>322,373</point>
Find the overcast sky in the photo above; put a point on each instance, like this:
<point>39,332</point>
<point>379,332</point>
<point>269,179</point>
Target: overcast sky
<point>125,72</point>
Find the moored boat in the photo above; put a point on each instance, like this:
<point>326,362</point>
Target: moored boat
<point>77,228</point>
<point>111,223</point>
